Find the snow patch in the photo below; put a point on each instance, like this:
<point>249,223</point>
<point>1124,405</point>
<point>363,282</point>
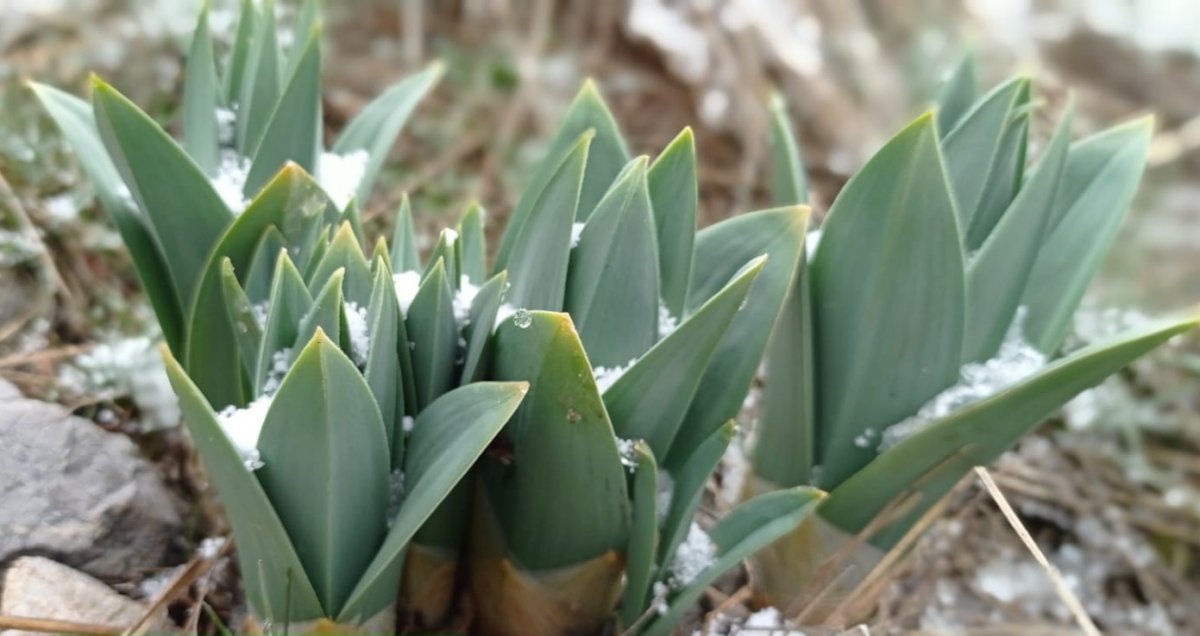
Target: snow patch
<point>407,285</point>
<point>243,427</point>
<point>130,367</point>
<point>463,299</point>
<point>576,232</point>
<point>230,180</point>
<point>667,324</point>
<point>360,335</point>
<point>606,377</point>
<point>340,175</point>
<point>693,557</point>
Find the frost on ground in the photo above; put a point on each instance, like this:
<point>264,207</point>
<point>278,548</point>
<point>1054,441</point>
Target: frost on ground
<point>130,367</point>
<point>340,175</point>
<point>243,426</point>
<point>606,376</point>
<point>693,557</point>
<point>360,336</point>
<point>978,381</point>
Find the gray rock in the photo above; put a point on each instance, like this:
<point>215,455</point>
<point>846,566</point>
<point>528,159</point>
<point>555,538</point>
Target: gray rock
<point>8,391</point>
<point>83,496</point>
<point>35,587</point>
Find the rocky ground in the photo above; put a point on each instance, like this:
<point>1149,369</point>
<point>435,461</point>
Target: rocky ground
<point>104,519</point>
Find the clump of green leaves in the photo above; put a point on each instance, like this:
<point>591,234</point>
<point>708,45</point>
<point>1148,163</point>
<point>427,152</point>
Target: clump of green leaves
<point>924,335</point>
<point>338,391</point>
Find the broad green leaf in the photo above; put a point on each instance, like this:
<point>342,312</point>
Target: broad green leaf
<point>612,280</point>
<point>687,491</point>
<point>383,365</point>
<point>888,294</point>
<point>784,452</point>
<point>721,251</point>
<point>78,125</point>
<point>447,438</point>
<point>293,131</point>
<point>434,337</point>
<point>745,530</point>
<point>238,57</point>
<point>786,177</point>
<point>1098,183</point>
<point>642,549</point>
<point>562,499</point>
<point>973,147</point>
<point>262,264</point>
<point>650,400</point>
<point>325,468</point>
<point>344,252</point>
<point>445,252</point>
<point>931,460</point>
<point>246,330</point>
<point>261,83</point>
<point>478,331</point>
<point>405,255</point>
<point>540,241</point>
<point>375,129</point>
<point>999,272</point>
<point>289,303</point>
<point>587,112</point>
<point>276,584</point>
<point>673,195</point>
<point>957,95</point>
<point>295,205</point>
<point>185,212</point>
<point>472,245</point>
<point>201,97</point>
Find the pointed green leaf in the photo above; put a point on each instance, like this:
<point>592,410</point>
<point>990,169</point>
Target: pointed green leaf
<point>344,252</point>
<point>78,125</point>
<point>788,182</point>
<point>562,498</point>
<point>650,400</point>
<point>444,251</point>
<point>721,251</point>
<point>246,330</point>
<point>201,97</point>
<point>888,294</point>
<point>642,549</point>
<point>261,82</point>
<point>1004,182</point>
<point>957,95</point>
<point>262,264</point>
<point>293,131</point>
<point>325,468</point>
<point>383,365</point>
<point>931,460</point>
<point>306,22</point>
<point>289,303</point>
<point>375,129</point>
<point>353,216</point>
<point>999,272</point>
<point>185,212</point>
<point>276,584</point>
<point>434,337</point>
<point>326,314</point>
<point>747,529</point>
<point>673,195</point>
<point>472,245</point>
<point>687,491</point>
<point>1098,183</point>
<point>446,439</point>
<point>478,332</point>
<point>405,255</point>
<point>240,54</point>
<point>972,148</point>
<point>612,280</point>
<point>540,243</point>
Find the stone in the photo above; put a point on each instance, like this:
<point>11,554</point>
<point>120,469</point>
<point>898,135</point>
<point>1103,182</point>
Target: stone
<point>36,587</point>
<point>81,495</point>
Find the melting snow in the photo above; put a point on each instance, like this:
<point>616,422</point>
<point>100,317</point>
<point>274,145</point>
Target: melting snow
<point>243,426</point>
<point>279,368</point>
<point>606,377</point>
<point>407,284</point>
<point>230,180</point>
<point>360,337</point>
<point>626,448</point>
<point>576,232</point>
<point>226,126</point>
<point>130,367</point>
<point>977,381</point>
<point>463,299</point>
<point>340,175</point>
<point>693,556</point>
<point>260,313</point>
<point>667,324</point>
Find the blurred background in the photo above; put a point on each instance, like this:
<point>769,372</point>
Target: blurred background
<point>1111,489</point>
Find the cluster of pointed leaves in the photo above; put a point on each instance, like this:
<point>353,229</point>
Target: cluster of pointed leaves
<point>924,259</point>
<point>600,249</point>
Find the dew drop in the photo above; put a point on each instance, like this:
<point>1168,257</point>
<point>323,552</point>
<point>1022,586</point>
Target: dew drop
<point>522,319</point>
